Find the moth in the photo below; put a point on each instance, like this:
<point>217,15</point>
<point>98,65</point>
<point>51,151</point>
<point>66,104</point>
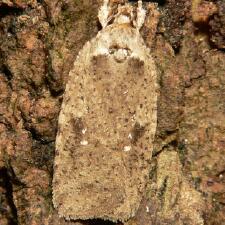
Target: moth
<point>107,122</point>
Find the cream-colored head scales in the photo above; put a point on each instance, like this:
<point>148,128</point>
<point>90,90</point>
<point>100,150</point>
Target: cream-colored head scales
<point>124,14</point>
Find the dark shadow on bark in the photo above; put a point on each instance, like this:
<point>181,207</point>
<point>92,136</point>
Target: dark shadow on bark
<point>5,182</point>
<point>6,10</point>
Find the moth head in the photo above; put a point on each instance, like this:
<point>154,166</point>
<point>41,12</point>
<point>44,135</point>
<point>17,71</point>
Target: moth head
<point>124,14</point>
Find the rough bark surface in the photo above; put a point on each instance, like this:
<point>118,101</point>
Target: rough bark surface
<point>39,41</point>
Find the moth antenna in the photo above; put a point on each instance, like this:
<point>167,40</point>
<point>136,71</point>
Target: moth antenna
<point>103,13</point>
<point>141,13</point>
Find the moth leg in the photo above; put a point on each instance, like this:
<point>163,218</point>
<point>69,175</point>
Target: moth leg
<point>103,14</point>
<point>141,13</point>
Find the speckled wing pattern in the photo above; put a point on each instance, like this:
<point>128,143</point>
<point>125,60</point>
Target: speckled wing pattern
<point>106,128</point>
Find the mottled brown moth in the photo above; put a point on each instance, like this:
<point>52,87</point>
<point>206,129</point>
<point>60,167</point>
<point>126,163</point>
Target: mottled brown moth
<point>107,122</point>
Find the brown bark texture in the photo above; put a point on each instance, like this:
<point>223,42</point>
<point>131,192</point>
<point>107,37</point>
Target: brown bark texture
<point>39,41</point>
